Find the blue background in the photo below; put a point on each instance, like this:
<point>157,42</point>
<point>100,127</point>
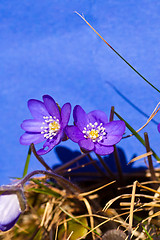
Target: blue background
<point>45,48</point>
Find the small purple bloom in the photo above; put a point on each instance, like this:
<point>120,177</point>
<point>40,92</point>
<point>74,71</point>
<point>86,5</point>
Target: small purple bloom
<point>93,132</point>
<point>48,124</point>
<point>12,203</point>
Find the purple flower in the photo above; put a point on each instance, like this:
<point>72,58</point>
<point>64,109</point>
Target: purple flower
<point>48,124</point>
<point>12,203</point>
<point>93,132</point>
<point>158,127</point>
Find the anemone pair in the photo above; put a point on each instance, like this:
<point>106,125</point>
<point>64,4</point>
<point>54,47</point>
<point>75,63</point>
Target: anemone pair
<point>92,131</point>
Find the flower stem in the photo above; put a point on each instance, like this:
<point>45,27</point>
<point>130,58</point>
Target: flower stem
<point>72,188</point>
<point>27,162</point>
<point>118,164</point>
<point>39,158</point>
<point>105,166</point>
<point>95,165</point>
<point>116,156</point>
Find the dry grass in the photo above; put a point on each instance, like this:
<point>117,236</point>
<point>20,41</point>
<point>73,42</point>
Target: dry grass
<point>53,213</point>
<point>106,206</point>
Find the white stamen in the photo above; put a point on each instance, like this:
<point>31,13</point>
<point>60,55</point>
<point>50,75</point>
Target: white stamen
<point>52,127</point>
<point>94,131</point>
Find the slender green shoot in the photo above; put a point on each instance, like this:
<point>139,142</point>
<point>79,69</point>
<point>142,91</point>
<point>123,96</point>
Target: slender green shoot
<point>147,233</point>
<point>27,162</point>
<point>44,189</point>
<point>118,53</point>
<point>136,135</point>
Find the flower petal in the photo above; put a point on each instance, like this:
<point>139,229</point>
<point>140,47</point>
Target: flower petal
<point>158,127</point>
<point>86,144</point>
<point>50,144</point>
<point>51,106</point>
<point>28,138</point>
<point>37,109</point>
<point>97,116</point>
<point>111,140</point>
<point>115,127</point>
<point>103,150</point>
<point>74,133</point>
<point>65,114</point>
<point>80,117</point>
<point>33,125</point>
<point>9,211</point>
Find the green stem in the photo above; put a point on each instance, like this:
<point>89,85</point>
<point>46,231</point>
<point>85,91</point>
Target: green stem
<point>135,70</point>
<point>27,162</point>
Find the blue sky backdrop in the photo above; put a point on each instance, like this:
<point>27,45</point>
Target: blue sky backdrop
<point>45,48</point>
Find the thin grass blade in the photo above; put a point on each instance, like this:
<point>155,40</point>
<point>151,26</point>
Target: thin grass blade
<point>140,139</point>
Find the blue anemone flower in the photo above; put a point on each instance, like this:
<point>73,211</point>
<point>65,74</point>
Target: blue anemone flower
<point>12,204</point>
<point>48,124</point>
<point>93,132</point>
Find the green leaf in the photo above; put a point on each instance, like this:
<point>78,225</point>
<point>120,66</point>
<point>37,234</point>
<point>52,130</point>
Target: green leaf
<point>27,162</point>
<point>140,139</point>
<point>75,219</point>
<point>44,190</point>
<point>74,229</point>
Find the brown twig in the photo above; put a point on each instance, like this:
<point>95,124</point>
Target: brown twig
<point>148,149</point>
<point>111,114</point>
<point>66,165</point>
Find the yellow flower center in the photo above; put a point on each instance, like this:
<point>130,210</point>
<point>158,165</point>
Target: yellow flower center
<point>95,131</point>
<point>93,134</point>
<point>54,126</point>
